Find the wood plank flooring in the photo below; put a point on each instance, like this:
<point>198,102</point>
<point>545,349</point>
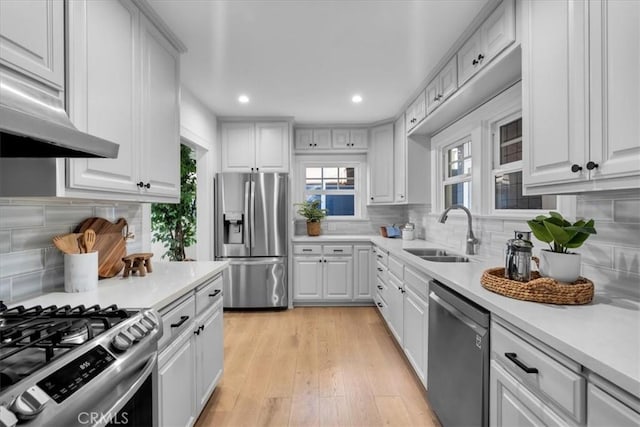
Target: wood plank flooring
<point>314,366</point>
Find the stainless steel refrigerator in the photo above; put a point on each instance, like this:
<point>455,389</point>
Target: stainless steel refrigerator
<point>251,232</point>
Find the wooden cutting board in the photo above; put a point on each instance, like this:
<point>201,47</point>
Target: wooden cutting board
<point>110,244</point>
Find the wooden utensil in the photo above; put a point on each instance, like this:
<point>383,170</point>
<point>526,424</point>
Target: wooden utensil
<point>88,240</point>
<point>67,243</point>
<point>110,244</point>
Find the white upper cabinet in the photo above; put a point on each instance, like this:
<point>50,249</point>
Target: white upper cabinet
<point>32,40</point>
<point>140,112</point>
<point>248,146</point>
<point>581,96</point>
<point>496,33</point>
<point>399,161</point>
<point>416,111</point>
<point>440,88</point>
<point>380,165</point>
<point>328,140</point>
<point>410,167</point>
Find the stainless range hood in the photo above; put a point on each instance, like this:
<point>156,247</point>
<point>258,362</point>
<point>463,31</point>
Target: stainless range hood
<point>34,123</point>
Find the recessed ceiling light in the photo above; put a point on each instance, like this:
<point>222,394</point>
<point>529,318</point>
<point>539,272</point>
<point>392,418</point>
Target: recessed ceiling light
<point>243,99</point>
<point>356,99</point>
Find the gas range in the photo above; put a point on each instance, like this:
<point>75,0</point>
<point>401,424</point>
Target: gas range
<point>48,354</point>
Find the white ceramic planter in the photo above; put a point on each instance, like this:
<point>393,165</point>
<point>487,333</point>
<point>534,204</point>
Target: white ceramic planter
<point>559,266</point>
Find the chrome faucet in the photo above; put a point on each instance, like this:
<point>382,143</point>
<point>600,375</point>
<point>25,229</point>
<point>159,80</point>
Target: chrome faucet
<point>471,239</point>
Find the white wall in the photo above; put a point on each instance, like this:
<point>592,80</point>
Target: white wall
<point>198,130</point>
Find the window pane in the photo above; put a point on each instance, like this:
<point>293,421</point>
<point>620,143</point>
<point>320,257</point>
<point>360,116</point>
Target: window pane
<point>508,189</point>
<point>511,142</point>
<point>458,160</point>
<point>314,173</point>
<point>457,194</point>
<point>343,205</point>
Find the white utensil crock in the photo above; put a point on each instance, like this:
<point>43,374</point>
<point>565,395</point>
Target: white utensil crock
<point>81,272</point>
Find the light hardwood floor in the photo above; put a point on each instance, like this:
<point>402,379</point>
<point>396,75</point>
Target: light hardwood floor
<point>318,366</point>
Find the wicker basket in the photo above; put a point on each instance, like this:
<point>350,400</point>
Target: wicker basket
<point>538,289</point>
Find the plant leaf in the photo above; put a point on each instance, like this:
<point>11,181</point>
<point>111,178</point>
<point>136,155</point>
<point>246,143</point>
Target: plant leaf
<point>540,231</point>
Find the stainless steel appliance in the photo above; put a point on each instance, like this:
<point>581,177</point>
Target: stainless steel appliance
<point>251,232</point>
<point>64,366</point>
<point>517,264</point>
<point>458,359</point>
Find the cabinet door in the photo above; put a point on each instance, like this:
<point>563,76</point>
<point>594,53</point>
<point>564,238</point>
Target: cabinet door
<point>322,138</point>
<point>448,79</point>
<point>272,147</point>
<point>307,278</point>
<point>338,278</point>
<point>380,165</point>
<point>615,88</point>
<point>498,31</point>
<point>160,154</point>
<point>511,404</point>
<point>340,138</point>
<point>103,45</point>
<point>468,63</point>
<point>555,104</point>
<point>32,39</point>
<point>362,280</point>
<point>304,139</point>
<point>415,330</point>
<point>209,354</point>
<point>399,162</point>
<point>238,147</point>
<point>604,410</point>
<point>358,138</point>
<point>431,93</point>
<point>176,379</point>
<point>395,303</point>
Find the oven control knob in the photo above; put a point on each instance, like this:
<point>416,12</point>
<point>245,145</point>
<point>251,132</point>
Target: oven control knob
<point>136,332</point>
<point>122,341</point>
<point>144,328</point>
<point>7,418</point>
<point>147,323</point>
<point>30,403</point>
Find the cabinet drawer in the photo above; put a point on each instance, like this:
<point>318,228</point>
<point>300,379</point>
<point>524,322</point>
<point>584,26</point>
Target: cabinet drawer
<point>337,249</point>
<point>381,256</point>
<point>396,267</point>
<point>417,281</point>
<point>382,307</point>
<point>307,249</point>
<point>564,387</point>
<point>382,272</point>
<point>382,288</point>
<point>176,319</point>
<point>207,293</point>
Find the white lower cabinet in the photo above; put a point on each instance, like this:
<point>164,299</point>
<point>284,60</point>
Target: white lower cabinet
<point>331,273</point>
<point>177,368</point>
<point>415,332</point>
<point>395,302</point>
<point>604,410</point>
<point>190,364</point>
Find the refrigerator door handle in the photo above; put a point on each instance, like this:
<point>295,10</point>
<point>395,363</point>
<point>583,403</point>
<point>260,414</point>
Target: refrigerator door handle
<point>252,206</point>
<point>247,186</point>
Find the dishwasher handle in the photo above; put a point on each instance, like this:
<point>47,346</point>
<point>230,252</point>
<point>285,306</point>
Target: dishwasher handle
<point>458,314</point>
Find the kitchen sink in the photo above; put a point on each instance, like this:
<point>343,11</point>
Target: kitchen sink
<point>422,252</point>
<point>447,258</point>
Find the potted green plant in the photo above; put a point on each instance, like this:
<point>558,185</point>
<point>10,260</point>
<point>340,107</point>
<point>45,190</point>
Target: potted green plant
<point>557,262</point>
<point>313,213</point>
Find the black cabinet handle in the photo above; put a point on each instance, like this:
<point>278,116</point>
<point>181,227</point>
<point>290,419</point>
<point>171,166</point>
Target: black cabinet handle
<point>379,304</point>
<point>182,320</point>
<point>480,57</point>
<point>307,250</point>
<point>591,165</point>
<point>379,269</point>
<point>338,250</point>
<point>196,332</point>
<point>147,185</point>
<point>140,184</point>
<point>576,168</point>
<point>401,290</point>
<point>372,198</point>
<point>379,287</point>
<point>474,62</point>
<point>201,328</point>
<point>215,293</point>
<point>514,358</point>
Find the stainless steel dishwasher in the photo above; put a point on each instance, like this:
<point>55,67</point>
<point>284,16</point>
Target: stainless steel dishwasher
<point>458,362</point>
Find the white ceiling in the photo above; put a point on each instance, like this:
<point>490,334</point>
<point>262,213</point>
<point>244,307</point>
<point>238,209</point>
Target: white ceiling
<point>307,58</point>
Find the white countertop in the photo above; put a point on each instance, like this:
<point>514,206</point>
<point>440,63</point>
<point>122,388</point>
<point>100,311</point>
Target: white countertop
<point>168,282</point>
<point>603,336</point>
<point>332,238</point>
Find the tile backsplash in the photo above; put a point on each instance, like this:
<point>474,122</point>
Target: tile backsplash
<point>378,216</point>
<point>29,263</point>
<point>610,257</point>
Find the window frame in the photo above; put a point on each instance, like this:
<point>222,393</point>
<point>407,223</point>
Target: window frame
<point>355,162</point>
<point>458,179</point>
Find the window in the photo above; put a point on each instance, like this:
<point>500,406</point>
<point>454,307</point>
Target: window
<point>335,186</point>
<point>507,170</point>
<point>457,174</point>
